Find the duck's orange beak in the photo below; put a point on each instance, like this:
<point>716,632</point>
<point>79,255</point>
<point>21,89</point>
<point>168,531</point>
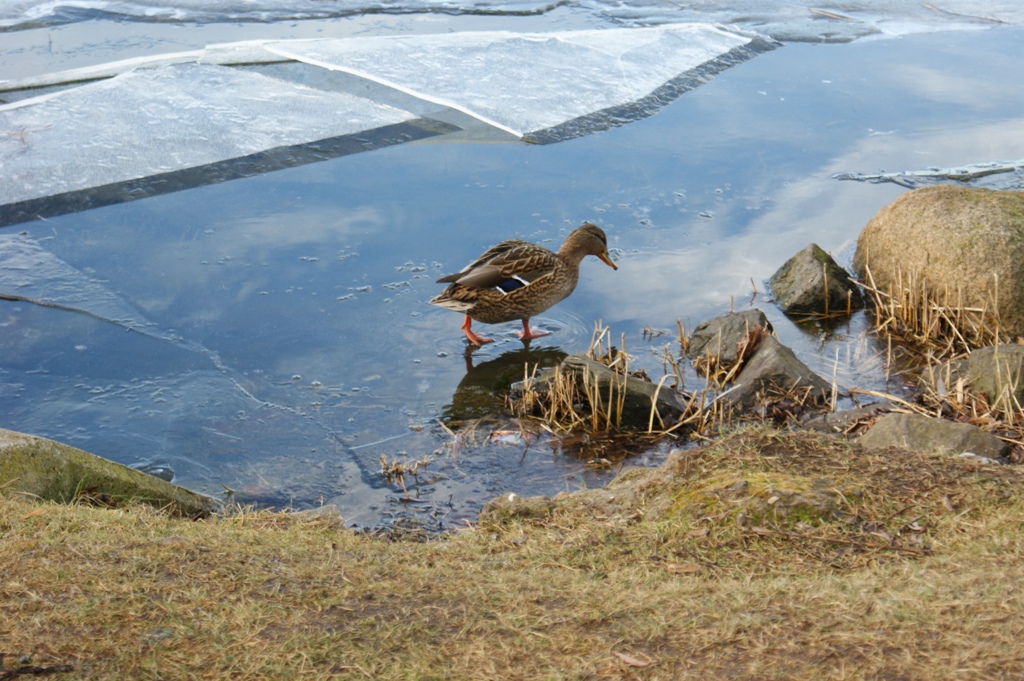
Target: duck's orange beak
<point>607,261</point>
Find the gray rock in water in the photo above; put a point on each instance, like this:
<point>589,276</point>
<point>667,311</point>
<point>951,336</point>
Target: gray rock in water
<point>774,368</point>
<point>636,395</point>
<point>721,337</point>
<point>924,434</point>
<point>800,285</point>
<point>57,472</point>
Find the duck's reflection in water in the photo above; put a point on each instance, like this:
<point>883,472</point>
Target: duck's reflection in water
<point>481,392</point>
<point>478,415</point>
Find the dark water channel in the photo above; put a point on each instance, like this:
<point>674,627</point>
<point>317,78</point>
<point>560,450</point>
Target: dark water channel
<point>272,334</point>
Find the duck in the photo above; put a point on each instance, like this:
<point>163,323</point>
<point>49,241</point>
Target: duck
<point>518,280</point>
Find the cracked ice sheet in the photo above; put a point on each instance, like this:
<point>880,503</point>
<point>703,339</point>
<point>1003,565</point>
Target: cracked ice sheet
<point>31,273</point>
<point>153,121</point>
<point>524,82</point>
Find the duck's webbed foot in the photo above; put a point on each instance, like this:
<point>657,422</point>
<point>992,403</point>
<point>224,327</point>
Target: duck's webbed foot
<point>474,338</point>
<point>527,333</point>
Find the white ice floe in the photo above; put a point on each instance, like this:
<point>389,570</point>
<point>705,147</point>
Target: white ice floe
<point>781,19</point>
<point>154,121</point>
<point>159,115</point>
<point>523,82</point>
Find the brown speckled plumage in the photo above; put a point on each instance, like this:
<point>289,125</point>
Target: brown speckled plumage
<point>534,278</point>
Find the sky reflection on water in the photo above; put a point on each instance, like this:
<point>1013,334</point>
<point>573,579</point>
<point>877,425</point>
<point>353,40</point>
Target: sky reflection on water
<point>298,345</point>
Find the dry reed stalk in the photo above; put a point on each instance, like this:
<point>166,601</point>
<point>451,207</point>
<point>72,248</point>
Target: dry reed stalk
<point>824,274</point>
<point>1001,414</point>
<point>721,373</point>
<point>916,314</point>
<point>654,407</point>
<point>834,396</point>
<point>672,368</point>
<point>568,404</point>
<point>684,339</point>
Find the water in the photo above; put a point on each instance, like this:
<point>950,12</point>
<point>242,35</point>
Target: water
<point>271,333</point>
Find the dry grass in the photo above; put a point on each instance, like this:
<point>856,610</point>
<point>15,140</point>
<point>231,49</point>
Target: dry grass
<point>925,331</point>
<point>915,573</point>
<point>564,404</point>
<point>396,471</point>
<point>945,395</point>
<point>928,322</point>
<point>719,372</point>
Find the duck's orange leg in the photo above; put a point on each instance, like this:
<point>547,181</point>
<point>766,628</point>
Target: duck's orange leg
<point>529,333</point>
<point>473,338</point>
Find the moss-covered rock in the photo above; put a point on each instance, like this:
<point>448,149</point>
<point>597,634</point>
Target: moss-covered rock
<point>782,500</point>
<point>58,472</point>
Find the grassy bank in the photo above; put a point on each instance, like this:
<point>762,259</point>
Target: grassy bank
<point>765,555</point>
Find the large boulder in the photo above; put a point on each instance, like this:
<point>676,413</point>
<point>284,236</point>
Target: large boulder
<point>957,240</point>
<point>50,470</point>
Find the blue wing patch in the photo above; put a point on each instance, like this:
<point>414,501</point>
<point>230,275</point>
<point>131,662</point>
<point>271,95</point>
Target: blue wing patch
<point>511,284</point>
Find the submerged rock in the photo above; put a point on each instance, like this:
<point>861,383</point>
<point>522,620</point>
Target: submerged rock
<point>480,391</point>
<point>58,472</point>
<point>924,434</point>
<point>955,242</point>
<point>637,396</point>
<point>812,282</point>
